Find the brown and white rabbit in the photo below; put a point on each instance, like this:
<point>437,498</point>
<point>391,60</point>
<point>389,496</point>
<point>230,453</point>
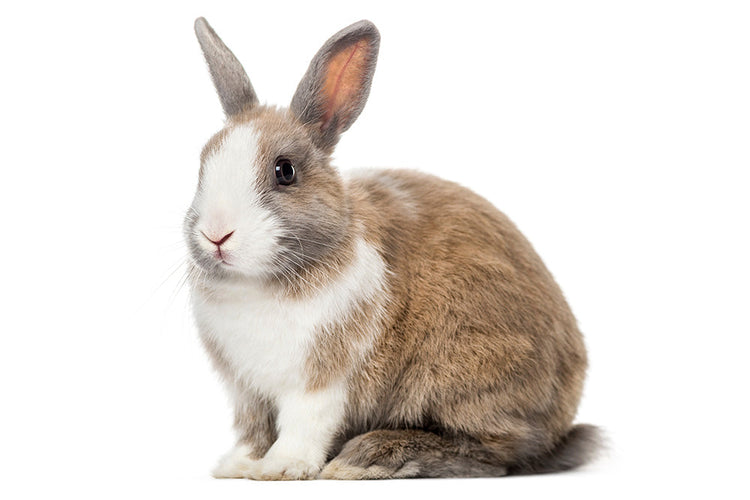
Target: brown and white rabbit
<point>384,324</point>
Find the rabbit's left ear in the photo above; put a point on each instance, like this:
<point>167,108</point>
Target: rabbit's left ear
<point>334,90</point>
<point>231,82</point>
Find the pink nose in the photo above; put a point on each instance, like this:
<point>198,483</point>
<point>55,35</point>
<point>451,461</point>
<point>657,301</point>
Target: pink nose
<point>221,240</point>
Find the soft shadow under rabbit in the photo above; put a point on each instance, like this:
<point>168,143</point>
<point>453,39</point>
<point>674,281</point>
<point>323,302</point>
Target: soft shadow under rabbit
<point>382,324</point>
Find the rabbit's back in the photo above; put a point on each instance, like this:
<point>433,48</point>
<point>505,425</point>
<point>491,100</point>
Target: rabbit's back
<point>478,335</point>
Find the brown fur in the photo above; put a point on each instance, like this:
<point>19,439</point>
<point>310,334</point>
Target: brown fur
<point>255,422</point>
<point>332,356</point>
<point>385,454</point>
<point>479,340</point>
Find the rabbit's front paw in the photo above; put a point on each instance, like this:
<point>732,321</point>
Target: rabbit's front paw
<point>236,464</point>
<point>282,468</point>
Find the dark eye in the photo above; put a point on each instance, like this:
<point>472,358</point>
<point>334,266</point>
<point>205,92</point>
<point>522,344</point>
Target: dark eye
<point>285,173</point>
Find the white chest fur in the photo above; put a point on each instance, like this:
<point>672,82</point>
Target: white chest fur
<point>266,339</point>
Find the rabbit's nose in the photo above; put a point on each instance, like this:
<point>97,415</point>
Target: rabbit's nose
<point>218,241</point>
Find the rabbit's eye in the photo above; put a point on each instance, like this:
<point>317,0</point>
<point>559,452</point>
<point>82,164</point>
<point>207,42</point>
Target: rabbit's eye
<point>285,173</point>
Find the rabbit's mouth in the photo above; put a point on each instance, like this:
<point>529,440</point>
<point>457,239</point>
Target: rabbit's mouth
<point>223,259</point>
<point>221,256</point>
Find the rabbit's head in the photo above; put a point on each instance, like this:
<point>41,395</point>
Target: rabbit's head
<point>268,202</point>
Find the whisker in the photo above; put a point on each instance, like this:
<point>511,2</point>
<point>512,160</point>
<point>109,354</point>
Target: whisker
<point>308,240</point>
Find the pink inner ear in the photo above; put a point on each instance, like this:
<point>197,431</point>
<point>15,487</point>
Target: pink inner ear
<point>343,81</point>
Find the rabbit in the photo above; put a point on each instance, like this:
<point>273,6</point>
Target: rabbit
<point>374,324</point>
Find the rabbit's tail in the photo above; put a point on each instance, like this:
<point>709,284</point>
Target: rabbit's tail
<point>579,446</point>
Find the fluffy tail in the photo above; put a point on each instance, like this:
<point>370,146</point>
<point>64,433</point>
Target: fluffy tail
<point>579,446</point>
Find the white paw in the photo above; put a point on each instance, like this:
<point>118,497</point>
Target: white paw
<point>236,464</point>
<point>285,469</point>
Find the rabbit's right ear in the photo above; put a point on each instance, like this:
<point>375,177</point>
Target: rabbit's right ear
<point>334,90</point>
<point>231,82</point>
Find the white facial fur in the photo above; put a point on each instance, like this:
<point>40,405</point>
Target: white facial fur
<point>228,201</point>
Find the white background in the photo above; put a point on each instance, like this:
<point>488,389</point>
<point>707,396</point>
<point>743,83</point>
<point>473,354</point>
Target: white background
<point>614,134</point>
